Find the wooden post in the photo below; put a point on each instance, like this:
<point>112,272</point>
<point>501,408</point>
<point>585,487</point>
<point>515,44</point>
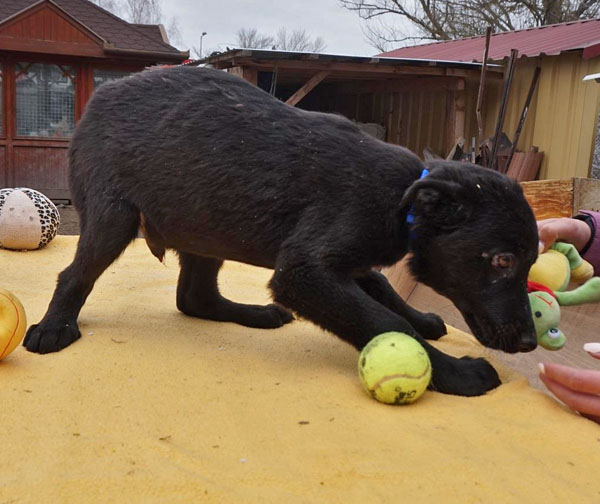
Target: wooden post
<point>455,113</point>
<point>307,88</point>
<point>459,107</point>
<point>480,132</point>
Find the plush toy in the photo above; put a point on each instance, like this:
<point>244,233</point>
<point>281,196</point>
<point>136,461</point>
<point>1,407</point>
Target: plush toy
<point>558,266</point>
<point>547,281</point>
<point>28,219</point>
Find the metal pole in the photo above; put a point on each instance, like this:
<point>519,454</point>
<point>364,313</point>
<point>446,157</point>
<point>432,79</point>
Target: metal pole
<point>201,37</point>
<point>534,80</point>
<point>503,104</point>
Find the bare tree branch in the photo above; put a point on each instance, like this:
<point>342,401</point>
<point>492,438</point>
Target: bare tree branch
<point>252,39</point>
<point>298,40</point>
<point>387,21</point>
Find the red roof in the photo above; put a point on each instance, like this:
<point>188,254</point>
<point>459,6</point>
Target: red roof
<point>110,28</point>
<point>549,40</point>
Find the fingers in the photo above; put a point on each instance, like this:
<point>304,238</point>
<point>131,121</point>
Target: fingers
<point>564,229</point>
<point>587,404</point>
<point>580,380</point>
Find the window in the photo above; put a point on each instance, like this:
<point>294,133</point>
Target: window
<point>45,100</point>
<point>102,76</point>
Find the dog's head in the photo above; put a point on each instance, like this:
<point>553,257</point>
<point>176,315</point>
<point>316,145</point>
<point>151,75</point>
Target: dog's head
<point>473,241</point>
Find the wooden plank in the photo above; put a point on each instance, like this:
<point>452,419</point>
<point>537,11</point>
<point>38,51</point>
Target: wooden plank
<point>307,88</point>
<point>586,194</point>
<point>459,110</point>
<point>450,123</point>
<point>393,132</point>
<point>343,67</point>
<point>562,198</point>
<point>550,198</point>
<point>525,165</point>
<point>244,57</point>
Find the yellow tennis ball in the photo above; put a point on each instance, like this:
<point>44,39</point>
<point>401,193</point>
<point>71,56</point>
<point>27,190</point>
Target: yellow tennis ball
<point>12,322</point>
<point>394,368</point>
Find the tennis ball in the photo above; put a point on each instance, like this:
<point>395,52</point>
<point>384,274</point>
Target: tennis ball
<point>394,368</point>
<point>12,322</point>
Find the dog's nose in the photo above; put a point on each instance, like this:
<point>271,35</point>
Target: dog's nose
<point>528,344</point>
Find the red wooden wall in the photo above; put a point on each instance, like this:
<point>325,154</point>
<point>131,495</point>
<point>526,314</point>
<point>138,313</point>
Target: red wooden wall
<point>45,34</point>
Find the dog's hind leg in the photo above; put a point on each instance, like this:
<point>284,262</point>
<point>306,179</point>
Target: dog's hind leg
<point>105,233</point>
<point>376,285</point>
<point>333,300</point>
<point>198,296</point>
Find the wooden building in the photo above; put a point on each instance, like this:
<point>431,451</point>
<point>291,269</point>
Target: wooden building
<point>53,54</point>
<point>563,116</point>
<point>418,103</point>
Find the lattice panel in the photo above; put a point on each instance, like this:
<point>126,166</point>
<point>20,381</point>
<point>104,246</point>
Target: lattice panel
<point>45,100</point>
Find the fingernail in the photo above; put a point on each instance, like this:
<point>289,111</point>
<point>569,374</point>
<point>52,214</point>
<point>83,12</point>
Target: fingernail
<point>593,349</point>
<point>542,368</point>
<point>541,247</point>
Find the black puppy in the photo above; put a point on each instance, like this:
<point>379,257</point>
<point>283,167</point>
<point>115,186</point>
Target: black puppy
<point>214,168</point>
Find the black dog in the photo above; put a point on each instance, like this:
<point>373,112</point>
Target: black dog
<point>216,169</point>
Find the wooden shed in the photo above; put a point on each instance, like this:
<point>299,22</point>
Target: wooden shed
<point>563,116</point>
<point>417,103</point>
<point>53,54</point>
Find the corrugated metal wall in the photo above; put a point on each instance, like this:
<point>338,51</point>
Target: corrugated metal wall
<point>563,115</point>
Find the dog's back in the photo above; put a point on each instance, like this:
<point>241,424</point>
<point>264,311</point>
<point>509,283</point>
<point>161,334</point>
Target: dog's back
<point>202,151</point>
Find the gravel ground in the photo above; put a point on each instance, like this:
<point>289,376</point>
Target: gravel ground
<point>69,221</point>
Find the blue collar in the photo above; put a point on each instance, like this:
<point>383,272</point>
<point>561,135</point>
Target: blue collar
<point>410,218</point>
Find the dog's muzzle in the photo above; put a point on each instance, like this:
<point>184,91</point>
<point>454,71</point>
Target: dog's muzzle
<point>510,337</point>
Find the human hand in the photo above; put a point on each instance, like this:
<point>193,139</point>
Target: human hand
<point>577,388</point>
<point>565,229</point>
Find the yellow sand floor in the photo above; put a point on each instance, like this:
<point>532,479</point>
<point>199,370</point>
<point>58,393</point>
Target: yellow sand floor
<point>153,406</point>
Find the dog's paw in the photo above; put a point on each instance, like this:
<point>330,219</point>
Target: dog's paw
<point>264,317</point>
<point>430,326</point>
<point>281,315</point>
<point>46,338</point>
<point>464,377</point>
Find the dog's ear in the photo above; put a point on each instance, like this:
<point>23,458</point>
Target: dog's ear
<point>442,202</point>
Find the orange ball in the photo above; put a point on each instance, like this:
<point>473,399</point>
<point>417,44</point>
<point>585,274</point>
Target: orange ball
<point>12,322</point>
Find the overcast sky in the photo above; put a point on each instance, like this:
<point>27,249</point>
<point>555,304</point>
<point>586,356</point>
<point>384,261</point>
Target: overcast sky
<point>221,19</point>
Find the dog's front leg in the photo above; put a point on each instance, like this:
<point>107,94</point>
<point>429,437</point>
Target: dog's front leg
<point>376,285</point>
<point>334,301</point>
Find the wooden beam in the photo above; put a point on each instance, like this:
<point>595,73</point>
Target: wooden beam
<point>459,107</point>
<point>562,198</point>
<point>455,114</point>
<point>345,67</point>
<point>349,67</point>
<point>306,88</point>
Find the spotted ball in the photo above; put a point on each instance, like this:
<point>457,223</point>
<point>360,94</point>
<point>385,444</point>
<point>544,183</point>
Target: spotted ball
<point>28,219</point>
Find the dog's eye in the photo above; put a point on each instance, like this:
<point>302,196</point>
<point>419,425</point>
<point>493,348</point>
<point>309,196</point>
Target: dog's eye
<point>503,261</point>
